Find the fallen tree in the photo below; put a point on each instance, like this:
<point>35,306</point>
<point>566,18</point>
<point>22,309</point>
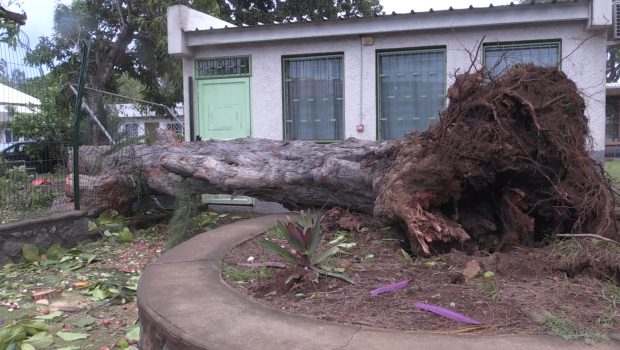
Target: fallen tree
<point>506,164</point>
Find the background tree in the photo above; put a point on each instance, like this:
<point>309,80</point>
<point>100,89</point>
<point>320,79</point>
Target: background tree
<point>266,11</point>
<point>129,37</point>
<point>10,22</point>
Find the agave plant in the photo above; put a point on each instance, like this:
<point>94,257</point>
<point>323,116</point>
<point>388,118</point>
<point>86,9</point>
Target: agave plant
<point>303,236</point>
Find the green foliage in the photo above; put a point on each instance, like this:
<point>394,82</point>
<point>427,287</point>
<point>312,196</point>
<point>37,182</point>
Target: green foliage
<point>610,294</point>
<point>130,37</point>
<point>245,275</point>
<point>53,120</point>
<point>274,232</point>
<point>180,225</point>
<point>567,329</point>
<point>112,225</point>
<point>303,236</point>
<point>254,11</point>
<point>9,29</point>
<point>490,288</point>
<point>32,333</point>
<point>55,252</point>
<point>205,221</point>
<point>30,252</point>
<point>68,336</point>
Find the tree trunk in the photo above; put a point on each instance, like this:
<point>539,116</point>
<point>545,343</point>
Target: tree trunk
<point>507,164</point>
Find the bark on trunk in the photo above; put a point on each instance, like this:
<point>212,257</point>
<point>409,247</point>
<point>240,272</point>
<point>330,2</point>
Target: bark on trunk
<point>507,164</point>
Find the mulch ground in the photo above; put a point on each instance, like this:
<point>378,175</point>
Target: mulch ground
<point>567,279</point>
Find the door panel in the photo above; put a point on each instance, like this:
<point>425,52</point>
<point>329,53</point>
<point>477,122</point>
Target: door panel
<point>224,109</point>
<point>151,128</point>
<point>224,113</point>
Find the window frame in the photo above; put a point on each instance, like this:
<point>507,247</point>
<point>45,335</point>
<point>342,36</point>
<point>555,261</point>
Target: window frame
<point>181,128</point>
<point>609,114</point>
<point>8,133</point>
<point>244,75</point>
<point>129,125</point>
<point>521,43</point>
<point>378,54</point>
<point>283,81</point>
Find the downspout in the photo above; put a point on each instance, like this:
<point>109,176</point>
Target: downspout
<point>360,127</point>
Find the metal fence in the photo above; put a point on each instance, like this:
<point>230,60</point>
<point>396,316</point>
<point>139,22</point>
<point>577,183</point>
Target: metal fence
<point>33,162</point>
<point>37,138</point>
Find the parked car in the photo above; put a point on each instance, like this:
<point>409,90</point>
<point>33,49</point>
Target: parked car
<point>40,156</point>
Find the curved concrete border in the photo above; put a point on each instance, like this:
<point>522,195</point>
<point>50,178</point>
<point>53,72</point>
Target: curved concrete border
<point>185,305</point>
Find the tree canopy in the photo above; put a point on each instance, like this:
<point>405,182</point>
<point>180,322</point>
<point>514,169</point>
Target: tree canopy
<point>254,11</point>
<point>10,22</point>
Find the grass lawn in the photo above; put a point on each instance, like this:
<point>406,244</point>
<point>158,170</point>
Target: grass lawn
<point>613,168</point>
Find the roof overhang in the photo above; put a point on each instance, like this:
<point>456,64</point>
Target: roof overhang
<point>449,19</point>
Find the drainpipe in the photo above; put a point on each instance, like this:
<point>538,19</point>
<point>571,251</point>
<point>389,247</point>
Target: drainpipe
<point>360,126</point>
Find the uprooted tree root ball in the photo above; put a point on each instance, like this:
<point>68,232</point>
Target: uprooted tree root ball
<point>507,164</point>
<point>513,163</point>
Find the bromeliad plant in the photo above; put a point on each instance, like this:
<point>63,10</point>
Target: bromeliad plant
<point>303,236</point>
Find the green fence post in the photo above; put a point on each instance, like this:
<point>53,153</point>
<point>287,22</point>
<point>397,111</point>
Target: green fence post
<point>86,43</point>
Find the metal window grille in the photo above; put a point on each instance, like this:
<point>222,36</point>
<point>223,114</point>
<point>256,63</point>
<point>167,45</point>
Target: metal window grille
<point>223,67</point>
<point>176,127</point>
<point>314,98</point>
<point>499,58</point>
<point>131,130</point>
<point>411,91</point>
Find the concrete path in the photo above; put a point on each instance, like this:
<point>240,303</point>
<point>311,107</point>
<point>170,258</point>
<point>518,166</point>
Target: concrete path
<point>184,305</point>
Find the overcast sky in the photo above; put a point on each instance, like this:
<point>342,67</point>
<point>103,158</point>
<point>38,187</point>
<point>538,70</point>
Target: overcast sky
<point>41,12</point>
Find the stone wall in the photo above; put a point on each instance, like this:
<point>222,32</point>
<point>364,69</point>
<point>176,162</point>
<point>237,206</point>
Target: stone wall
<point>65,229</point>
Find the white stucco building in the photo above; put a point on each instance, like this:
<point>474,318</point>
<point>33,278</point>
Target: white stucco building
<point>16,101</point>
<point>137,122</point>
<point>375,77</point>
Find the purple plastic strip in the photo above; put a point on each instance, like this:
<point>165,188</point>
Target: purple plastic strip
<point>447,313</point>
<point>391,288</point>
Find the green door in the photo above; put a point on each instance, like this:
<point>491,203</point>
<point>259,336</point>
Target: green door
<point>224,113</point>
<point>224,109</point>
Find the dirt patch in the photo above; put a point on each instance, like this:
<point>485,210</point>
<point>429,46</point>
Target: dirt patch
<point>509,290</point>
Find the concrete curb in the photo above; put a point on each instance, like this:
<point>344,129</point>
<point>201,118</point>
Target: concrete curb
<point>184,305</point>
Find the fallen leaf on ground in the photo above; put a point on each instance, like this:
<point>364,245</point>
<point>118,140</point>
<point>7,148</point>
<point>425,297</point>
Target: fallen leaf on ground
<point>66,336</point>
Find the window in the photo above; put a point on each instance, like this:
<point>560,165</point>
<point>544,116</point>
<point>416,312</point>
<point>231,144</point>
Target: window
<point>131,130</point>
<point>224,67</point>
<point>176,127</point>
<point>612,111</point>
<point>500,57</point>
<point>8,136</point>
<point>411,91</point>
<point>314,98</point>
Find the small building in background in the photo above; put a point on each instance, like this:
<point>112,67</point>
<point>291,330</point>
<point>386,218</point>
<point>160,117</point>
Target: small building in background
<point>135,121</point>
<point>12,100</point>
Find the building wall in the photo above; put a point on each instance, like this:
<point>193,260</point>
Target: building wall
<point>583,59</point>
<point>141,124</point>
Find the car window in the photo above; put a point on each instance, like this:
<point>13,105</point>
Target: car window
<point>22,148</point>
<point>10,150</point>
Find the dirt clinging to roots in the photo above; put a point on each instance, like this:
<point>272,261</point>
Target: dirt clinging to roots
<point>513,155</point>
